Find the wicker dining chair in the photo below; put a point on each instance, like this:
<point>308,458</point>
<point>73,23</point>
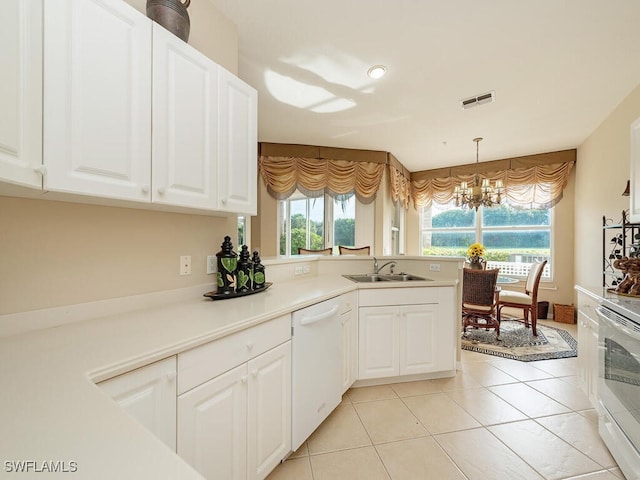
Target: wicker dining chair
<point>527,301</point>
<point>479,299</point>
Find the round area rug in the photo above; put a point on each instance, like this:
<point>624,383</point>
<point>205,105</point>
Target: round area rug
<point>519,343</point>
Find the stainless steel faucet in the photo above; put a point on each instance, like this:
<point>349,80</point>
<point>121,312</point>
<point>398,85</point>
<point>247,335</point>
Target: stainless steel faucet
<point>377,269</point>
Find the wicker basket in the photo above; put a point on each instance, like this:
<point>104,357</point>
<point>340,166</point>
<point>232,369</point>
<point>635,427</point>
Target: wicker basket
<point>563,313</point>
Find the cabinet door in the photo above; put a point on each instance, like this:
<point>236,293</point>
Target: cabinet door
<point>21,92</point>
<point>97,99</point>
<point>237,167</point>
<point>212,426</point>
<point>149,395</point>
<point>378,346</point>
<point>419,339</point>
<point>349,349</point>
<point>185,135</point>
<point>269,407</point>
<point>593,362</point>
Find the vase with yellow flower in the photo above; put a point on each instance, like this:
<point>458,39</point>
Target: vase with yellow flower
<point>475,256</point>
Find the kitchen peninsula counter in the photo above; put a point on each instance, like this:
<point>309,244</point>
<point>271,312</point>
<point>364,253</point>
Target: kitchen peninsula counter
<point>52,411</point>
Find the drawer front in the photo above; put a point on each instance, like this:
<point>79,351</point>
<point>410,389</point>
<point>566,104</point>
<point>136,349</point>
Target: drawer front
<point>377,297</point>
<point>203,363</point>
<point>348,302</point>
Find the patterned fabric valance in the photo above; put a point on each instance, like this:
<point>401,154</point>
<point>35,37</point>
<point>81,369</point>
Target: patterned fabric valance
<point>316,171</point>
<point>400,182</point>
<point>536,181</point>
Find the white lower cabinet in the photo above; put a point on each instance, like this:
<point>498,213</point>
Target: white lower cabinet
<point>405,331</point>
<point>237,424</point>
<point>349,323</point>
<point>149,395</point>
<point>588,342</point>
<point>269,411</point>
<point>212,436</point>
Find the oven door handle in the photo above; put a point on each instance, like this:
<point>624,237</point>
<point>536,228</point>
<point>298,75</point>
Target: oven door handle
<point>627,326</point>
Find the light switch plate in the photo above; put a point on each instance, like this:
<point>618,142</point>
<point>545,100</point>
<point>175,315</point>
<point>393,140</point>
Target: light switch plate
<point>211,264</point>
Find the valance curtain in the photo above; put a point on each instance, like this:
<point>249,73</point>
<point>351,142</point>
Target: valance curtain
<point>400,182</point>
<point>318,170</point>
<point>536,181</point>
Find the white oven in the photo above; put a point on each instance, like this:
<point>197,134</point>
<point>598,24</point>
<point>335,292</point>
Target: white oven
<point>619,388</point>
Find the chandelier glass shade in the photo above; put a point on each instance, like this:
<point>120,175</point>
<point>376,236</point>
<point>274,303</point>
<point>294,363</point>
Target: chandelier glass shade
<point>481,192</point>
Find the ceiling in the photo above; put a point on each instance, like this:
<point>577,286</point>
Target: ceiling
<point>558,68</point>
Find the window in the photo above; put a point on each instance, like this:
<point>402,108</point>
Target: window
<point>243,231</point>
<point>302,223</point>
<point>514,237</point>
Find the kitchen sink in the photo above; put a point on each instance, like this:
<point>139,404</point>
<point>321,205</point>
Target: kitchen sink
<point>405,277</point>
<point>366,277</point>
<point>381,277</point>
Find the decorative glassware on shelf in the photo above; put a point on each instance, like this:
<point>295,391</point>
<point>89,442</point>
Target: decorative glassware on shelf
<point>625,243</point>
<point>227,267</point>
<point>238,275</point>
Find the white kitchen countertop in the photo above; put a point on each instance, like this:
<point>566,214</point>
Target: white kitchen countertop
<point>52,411</point>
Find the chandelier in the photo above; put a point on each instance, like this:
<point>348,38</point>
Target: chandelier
<point>480,193</point>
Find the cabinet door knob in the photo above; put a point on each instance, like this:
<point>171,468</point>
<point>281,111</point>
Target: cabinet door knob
<point>249,345</point>
<point>170,376</point>
<point>41,169</point>
<point>145,188</point>
<point>254,372</point>
<point>244,379</point>
<point>161,190</point>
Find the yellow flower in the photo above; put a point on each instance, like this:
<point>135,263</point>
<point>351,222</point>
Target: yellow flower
<point>475,250</point>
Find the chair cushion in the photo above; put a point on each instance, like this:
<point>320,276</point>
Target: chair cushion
<point>519,298</point>
<point>481,308</point>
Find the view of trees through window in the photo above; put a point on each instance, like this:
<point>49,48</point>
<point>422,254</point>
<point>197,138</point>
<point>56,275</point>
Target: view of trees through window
<point>509,234</point>
<point>303,221</point>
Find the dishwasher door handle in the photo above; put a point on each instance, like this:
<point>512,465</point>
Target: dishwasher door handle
<point>318,318</point>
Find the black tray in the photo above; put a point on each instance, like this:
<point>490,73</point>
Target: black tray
<point>223,296</point>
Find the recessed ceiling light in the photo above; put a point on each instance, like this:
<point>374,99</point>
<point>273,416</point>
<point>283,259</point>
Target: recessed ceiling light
<point>377,71</point>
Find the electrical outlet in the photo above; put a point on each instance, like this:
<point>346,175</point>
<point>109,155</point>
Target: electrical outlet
<point>298,270</point>
<point>185,265</point>
<point>306,269</point>
<point>434,267</point>
<point>212,264</point>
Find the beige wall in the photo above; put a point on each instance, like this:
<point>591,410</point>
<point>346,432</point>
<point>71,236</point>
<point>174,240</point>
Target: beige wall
<point>601,176</point>
<point>56,253</point>
<point>211,33</point>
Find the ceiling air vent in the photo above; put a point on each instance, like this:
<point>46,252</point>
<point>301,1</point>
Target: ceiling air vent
<point>478,100</point>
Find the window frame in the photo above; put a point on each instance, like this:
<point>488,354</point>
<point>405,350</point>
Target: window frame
<point>478,229</point>
<point>284,213</point>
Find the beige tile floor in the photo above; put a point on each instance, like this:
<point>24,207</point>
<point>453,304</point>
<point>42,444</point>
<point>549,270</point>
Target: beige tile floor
<point>497,419</point>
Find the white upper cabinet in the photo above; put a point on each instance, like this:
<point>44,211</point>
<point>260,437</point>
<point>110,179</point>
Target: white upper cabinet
<point>237,170</point>
<point>185,124</point>
<point>97,99</point>
<point>21,92</point>
<point>99,104</point>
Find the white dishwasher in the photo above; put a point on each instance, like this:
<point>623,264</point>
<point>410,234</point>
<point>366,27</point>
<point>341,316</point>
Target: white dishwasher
<point>316,367</point>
